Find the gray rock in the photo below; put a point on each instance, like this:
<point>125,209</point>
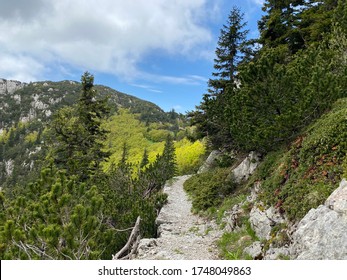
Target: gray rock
<point>231,217</point>
<point>337,201</point>
<point>9,86</point>
<point>254,192</point>
<point>246,167</point>
<point>322,233</point>
<point>255,250</point>
<point>260,223</point>
<point>263,221</point>
<point>210,162</point>
<point>276,253</point>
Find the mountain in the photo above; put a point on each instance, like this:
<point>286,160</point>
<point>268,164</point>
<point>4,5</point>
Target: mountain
<point>26,110</point>
<point>22,102</point>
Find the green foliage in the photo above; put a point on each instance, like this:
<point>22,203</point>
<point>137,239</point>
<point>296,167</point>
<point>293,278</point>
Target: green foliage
<point>211,117</point>
<point>233,243</point>
<point>278,100</point>
<point>189,156</point>
<point>303,176</point>
<point>125,127</point>
<point>208,189</point>
<point>53,219</point>
<point>77,133</point>
<point>281,87</point>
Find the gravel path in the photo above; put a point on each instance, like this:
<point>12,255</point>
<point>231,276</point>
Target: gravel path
<point>182,235</point>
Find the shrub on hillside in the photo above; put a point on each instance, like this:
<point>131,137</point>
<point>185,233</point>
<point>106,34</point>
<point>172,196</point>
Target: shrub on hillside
<point>208,189</point>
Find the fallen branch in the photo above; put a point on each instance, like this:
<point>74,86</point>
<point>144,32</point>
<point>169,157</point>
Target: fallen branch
<point>132,243</point>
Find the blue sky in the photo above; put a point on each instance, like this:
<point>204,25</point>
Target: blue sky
<point>158,50</point>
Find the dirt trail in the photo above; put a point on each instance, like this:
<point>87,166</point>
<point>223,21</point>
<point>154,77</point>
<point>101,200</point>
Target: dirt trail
<point>182,235</point>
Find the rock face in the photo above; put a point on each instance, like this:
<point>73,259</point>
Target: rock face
<point>322,233</point>
<point>9,86</point>
<point>246,167</point>
<point>263,221</point>
<point>210,162</point>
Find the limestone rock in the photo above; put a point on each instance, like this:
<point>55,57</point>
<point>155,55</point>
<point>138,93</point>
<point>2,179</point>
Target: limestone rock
<point>210,162</point>
<point>246,167</point>
<point>9,86</point>
<point>255,250</point>
<point>231,217</point>
<point>263,221</point>
<point>276,253</point>
<point>337,201</point>
<point>322,233</point>
<point>9,166</point>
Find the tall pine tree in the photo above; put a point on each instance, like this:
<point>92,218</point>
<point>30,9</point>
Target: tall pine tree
<point>211,117</point>
<point>77,134</point>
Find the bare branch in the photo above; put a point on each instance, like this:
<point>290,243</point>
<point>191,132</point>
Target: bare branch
<point>132,243</point>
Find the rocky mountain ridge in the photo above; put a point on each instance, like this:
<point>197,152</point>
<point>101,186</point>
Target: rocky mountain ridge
<point>26,110</point>
<point>23,102</point>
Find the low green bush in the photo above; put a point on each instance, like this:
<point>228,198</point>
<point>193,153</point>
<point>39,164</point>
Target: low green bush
<point>208,189</point>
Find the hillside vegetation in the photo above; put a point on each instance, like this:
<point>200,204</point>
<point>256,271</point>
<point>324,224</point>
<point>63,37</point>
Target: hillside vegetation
<point>282,95</point>
<point>79,166</point>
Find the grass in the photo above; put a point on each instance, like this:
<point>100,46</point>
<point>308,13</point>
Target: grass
<point>232,244</point>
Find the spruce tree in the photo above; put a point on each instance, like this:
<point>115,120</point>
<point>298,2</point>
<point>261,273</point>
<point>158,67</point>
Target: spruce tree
<point>77,135</point>
<point>278,25</point>
<point>212,116</point>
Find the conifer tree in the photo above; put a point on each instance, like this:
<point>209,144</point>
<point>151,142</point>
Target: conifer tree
<point>278,25</point>
<point>77,134</point>
<point>145,159</point>
<point>212,116</point>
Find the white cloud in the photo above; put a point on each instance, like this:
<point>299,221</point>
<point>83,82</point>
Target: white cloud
<point>175,80</point>
<point>147,87</point>
<point>99,35</point>
<point>20,68</point>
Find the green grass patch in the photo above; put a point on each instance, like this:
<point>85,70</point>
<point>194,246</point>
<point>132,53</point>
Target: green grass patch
<point>232,244</point>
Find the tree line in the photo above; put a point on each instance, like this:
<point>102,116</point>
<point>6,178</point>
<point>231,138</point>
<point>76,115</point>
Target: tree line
<point>264,91</point>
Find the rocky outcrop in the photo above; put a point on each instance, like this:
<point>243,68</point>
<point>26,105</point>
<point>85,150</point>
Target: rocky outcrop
<point>210,162</point>
<point>246,167</point>
<point>263,221</point>
<point>322,233</point>
<point>9,86</point>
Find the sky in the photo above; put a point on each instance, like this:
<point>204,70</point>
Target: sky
<point>158,50</point>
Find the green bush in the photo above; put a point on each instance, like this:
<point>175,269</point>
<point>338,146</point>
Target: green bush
<point>208,189</point>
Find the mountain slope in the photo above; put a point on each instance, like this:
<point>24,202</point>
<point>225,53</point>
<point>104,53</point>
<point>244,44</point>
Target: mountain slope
<point>21,102</point>
<point>27,109</point>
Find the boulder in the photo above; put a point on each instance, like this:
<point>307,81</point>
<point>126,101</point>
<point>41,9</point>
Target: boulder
<point>322,233</point>
<point>255,250</point>
<point>210,162</point>
<point>246,167</point>
<point>263,221</point>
